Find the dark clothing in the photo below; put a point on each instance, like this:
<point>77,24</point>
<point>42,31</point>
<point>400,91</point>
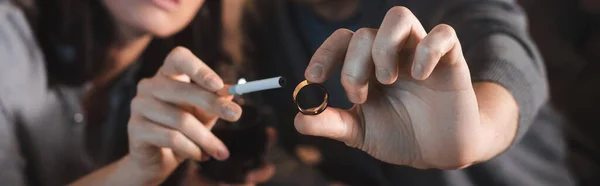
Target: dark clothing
<point>42,127</point>
<point>496,45</point>
<point>313,31</point>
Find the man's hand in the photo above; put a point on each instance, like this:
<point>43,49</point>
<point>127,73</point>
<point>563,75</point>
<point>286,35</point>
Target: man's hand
<point>419,108</point>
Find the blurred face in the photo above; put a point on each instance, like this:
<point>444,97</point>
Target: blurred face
<point>161,18</point>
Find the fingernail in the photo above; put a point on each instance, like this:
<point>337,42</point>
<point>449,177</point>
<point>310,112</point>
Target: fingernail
<point>230,111</point>
<point>383,74</point>
<point>213,82</point>
<point>222,154</point>
<point>315,71</point>
<point>417,71</point>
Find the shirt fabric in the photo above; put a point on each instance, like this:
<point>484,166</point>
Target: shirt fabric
<point>42,127</point>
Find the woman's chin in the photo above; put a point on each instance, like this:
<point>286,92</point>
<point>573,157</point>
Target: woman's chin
<point>164,33</point>
<point>155,22</point>
<point>161,29</point>
<point>150,18</point>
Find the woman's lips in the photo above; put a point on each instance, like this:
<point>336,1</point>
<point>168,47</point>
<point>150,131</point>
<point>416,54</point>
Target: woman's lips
<point>167,4</point>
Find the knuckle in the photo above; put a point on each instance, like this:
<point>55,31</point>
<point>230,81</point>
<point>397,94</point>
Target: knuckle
<point>144,84</point>
<point>445,31</point>
<point>342,32</point>
<point>173,138</point>
<point>137,103</point>
<point>182,119</point>
<point>325,53</point>
<point>135,145</point>
<point>352,78</point>
<point>380,50</point>
<point>136,128</point>
<point>399,11</point>
<point>132,126</point>
<point>217,104</point>
<point>212,105</point>
<point>430,49</point>
<point>322,56</point>
<point>206,75</point>
<point>179,50</point>
<point>364,35</point>
<point>176,56</point>
<point>208,103</point>
<point>224,104</point>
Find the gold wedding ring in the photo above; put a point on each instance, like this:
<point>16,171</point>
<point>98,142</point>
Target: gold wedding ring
<point>315,110</point>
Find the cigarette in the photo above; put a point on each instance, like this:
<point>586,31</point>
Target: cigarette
<point>258,85</point>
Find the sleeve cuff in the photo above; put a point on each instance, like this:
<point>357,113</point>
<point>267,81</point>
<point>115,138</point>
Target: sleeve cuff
<point>501,59</point>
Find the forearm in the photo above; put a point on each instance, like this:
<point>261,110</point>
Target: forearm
<point>510,87</point>
<point>508,74</point>
<point>121,172</point>
<point>499,116</point>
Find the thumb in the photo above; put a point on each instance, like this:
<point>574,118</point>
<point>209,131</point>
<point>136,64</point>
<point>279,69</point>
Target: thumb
<point>338,124</point>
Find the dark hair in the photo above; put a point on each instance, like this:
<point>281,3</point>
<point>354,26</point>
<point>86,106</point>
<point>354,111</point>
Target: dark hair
<point>75,36</point>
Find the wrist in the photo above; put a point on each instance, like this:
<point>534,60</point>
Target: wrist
<point>121,172</point>
<point>136,174</point>
<point>499,119</point>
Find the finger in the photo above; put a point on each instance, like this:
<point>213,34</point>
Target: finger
<point>261,175</point>
<point>205,157</point>
<point>202,116</point>
<point>329,56</point>
<point>358,66</point>
<point>271,137</point>
<point>441,44</point>
<point>333,123</point>
<point>205,118</point>
<point>175,118</point>
<point>209,120</point>
<point>182,61</point>
<point>399,30</point>
<point>181,93</point>
<point>153,134</point>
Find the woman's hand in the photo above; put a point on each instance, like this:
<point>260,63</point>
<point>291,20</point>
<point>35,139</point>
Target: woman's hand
<point>415,104</point>
<point>173,113</point>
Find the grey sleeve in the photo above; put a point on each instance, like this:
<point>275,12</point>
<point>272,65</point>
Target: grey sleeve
<point>498,49</point>
<point>12,162</point>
